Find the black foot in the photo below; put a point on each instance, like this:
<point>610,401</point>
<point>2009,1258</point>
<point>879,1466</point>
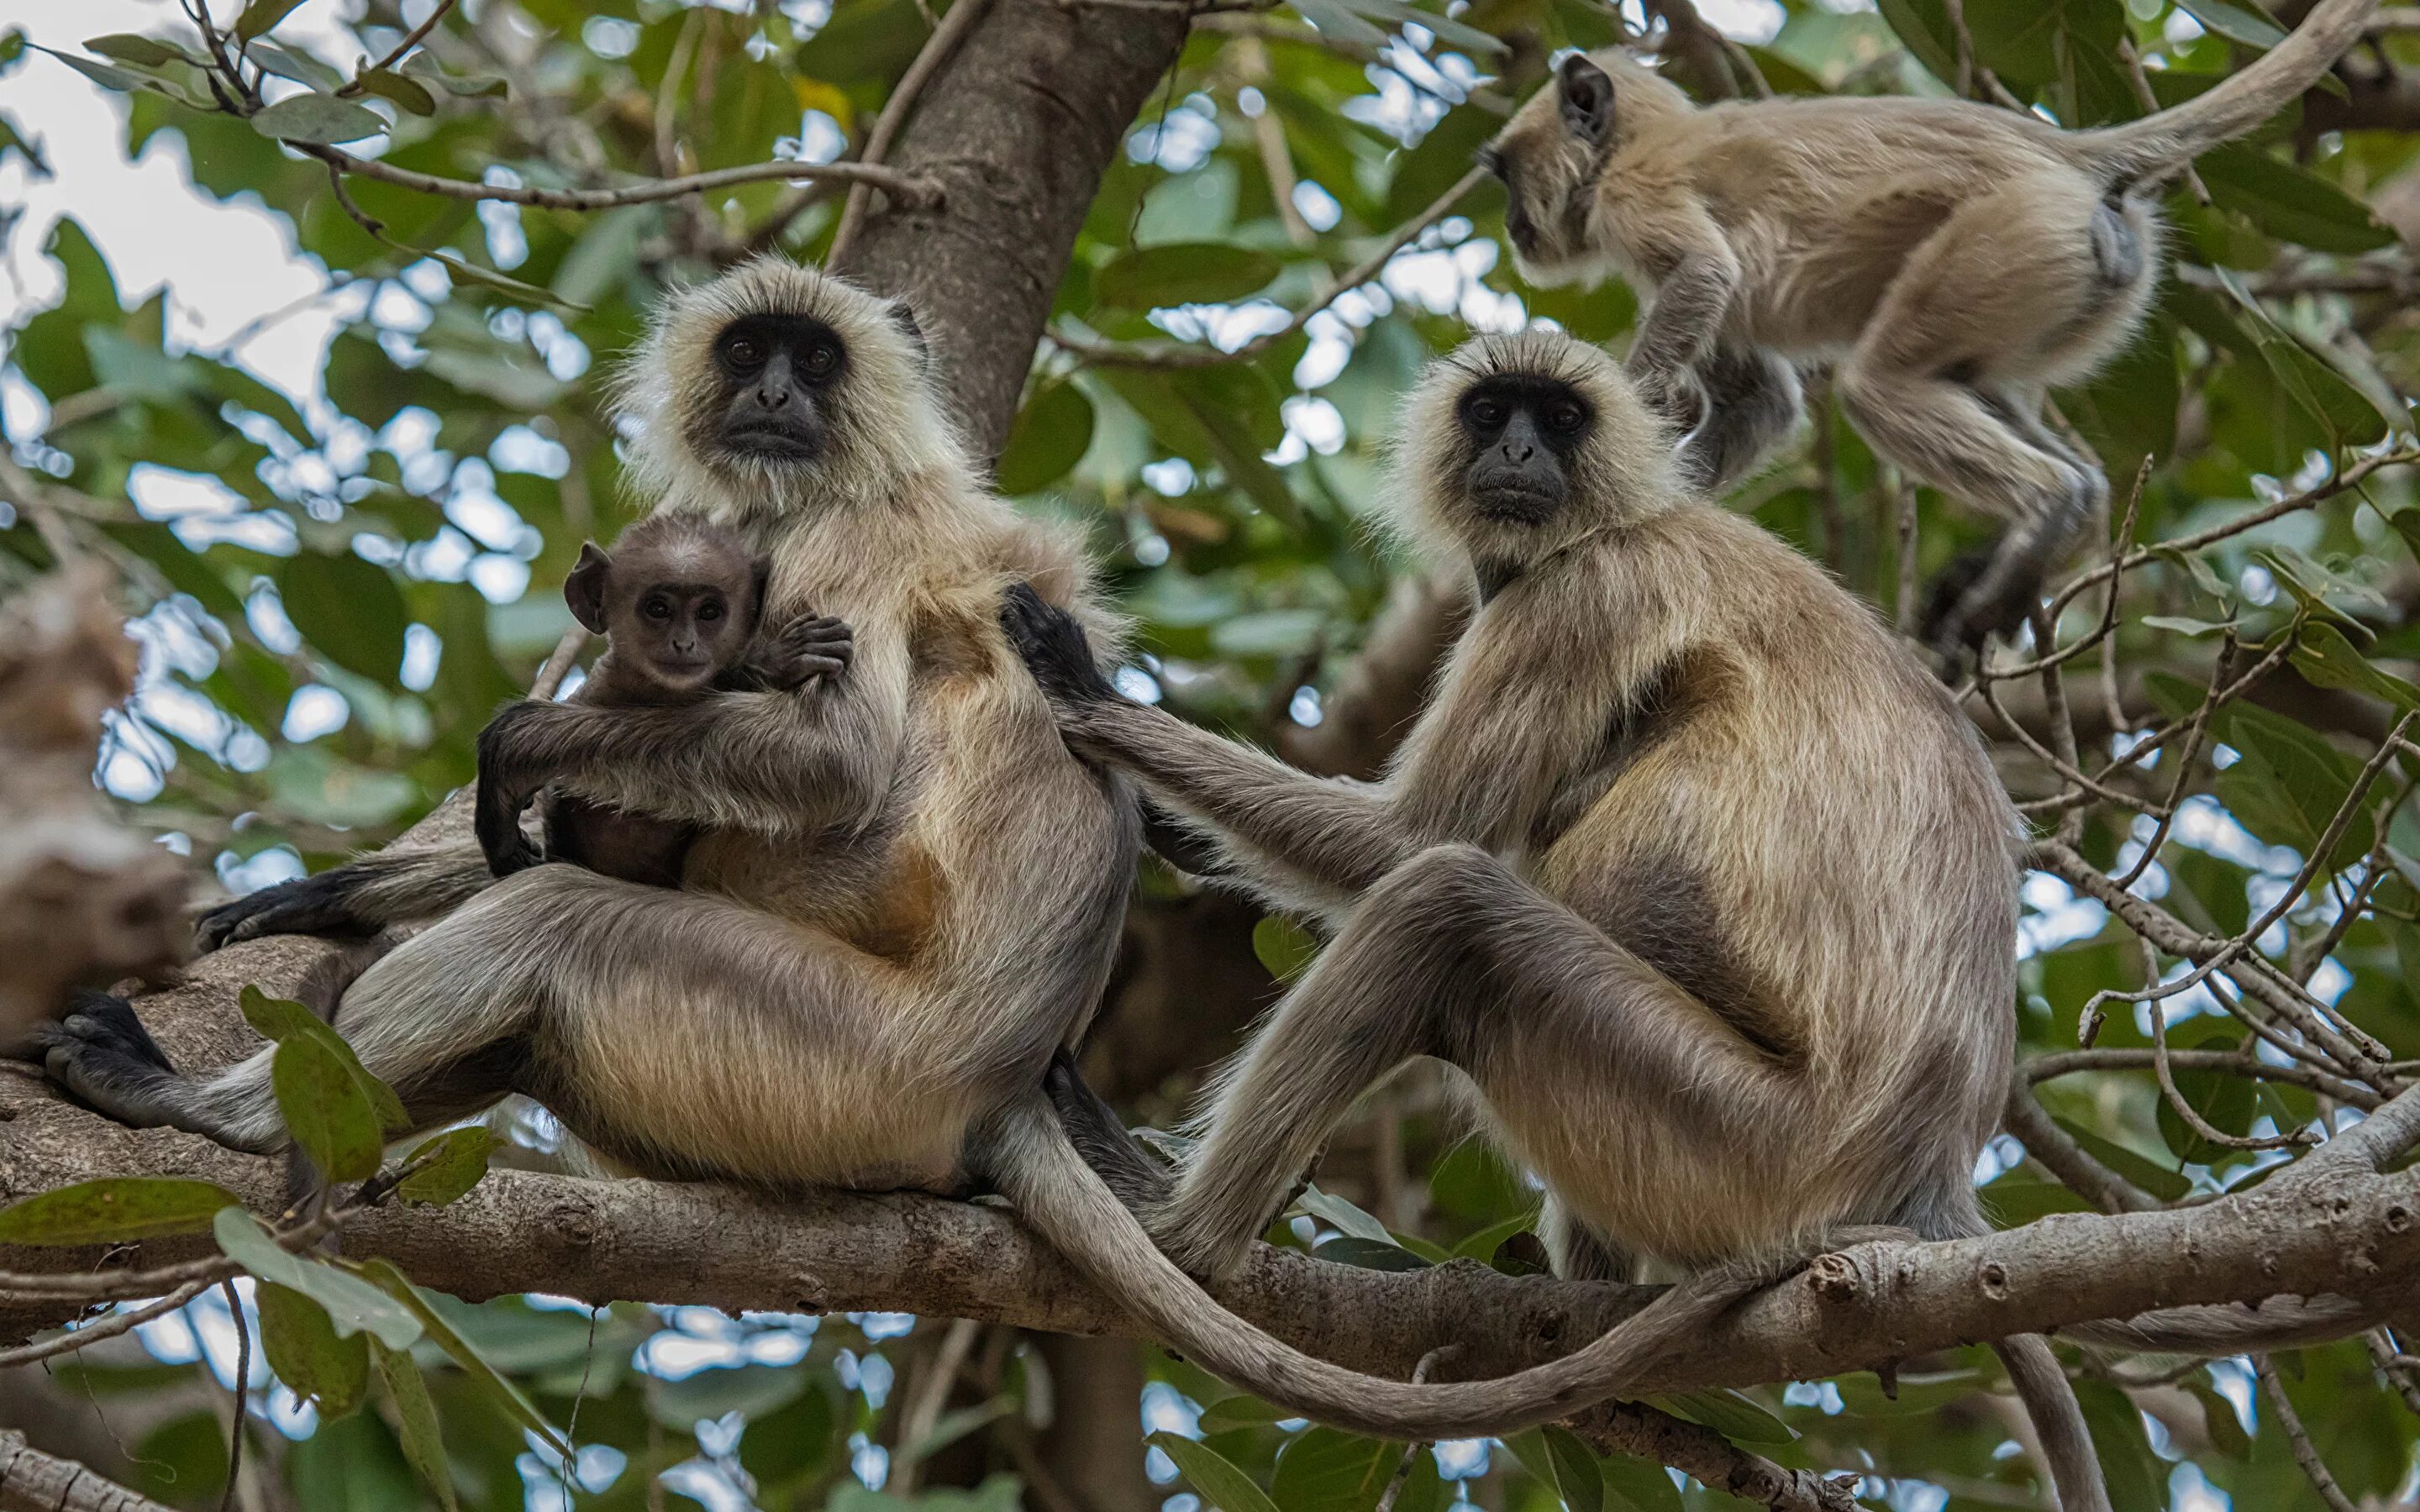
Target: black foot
<point>1976,598</point>
<point>103,1056</point>
<point>307,905</point>
<point>1093,1128</point>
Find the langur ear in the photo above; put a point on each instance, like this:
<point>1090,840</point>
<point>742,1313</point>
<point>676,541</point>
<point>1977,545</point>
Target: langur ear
<point>1585,95</point>
<point>585,589</point>
<point>905,318</point>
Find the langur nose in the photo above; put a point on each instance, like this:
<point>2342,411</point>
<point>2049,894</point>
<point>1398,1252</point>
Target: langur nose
<point>772,396</point>
<point>1517,452</point>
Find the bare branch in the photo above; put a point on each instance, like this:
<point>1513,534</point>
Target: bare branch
<point>908,189</point>
<point>935,52</point>
<point>32,1481</point>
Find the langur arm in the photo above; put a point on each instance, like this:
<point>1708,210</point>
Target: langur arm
<point>1284,828</point>
<point>1692,297</point>
<point>774,763</point>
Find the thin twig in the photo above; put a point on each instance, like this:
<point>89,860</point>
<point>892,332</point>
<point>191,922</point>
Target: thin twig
<point>909,190</point>
<point>104,1328</point>
<point>1109,354</point>
<point>895,111</point>
<point>1411,1451</point>
<point>2240,1063</point>
<point>242,1391</point>
<point>2313,1468</point>
<point>411,39</point>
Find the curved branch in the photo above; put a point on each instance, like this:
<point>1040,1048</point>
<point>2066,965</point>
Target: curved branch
<point>909,190</point>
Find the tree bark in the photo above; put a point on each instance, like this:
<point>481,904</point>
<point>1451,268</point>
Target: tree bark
<point>1018,127</point>
<point>32,1481</point>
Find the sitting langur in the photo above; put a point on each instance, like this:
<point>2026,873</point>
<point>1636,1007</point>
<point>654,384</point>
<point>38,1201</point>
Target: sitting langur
<point>1689,868</point>
<point>902,899</point>
<point>1954,261</point>
<point>679,601</point>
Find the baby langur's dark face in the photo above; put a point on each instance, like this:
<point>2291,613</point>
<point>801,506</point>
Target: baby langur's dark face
<point>679,598</point>
<point>684,632</point>
<point>779,373</point>
<point>1523,432</point>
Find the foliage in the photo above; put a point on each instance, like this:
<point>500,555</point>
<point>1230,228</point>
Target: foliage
<point>390,540</point>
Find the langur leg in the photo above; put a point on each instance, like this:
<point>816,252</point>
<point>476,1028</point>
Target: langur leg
<point>1451,955</point>
<point>1752,401</point>
<point>403,886</point>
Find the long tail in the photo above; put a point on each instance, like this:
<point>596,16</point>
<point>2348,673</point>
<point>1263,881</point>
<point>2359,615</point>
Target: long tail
<point>2232,1328</point>
<point>2058,1421</point>
<point>2160,144</point>
<point>1040,1171</point>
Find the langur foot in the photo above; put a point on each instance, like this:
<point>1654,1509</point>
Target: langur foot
<point>103,1056</point>
<point>1101,1139</point>
<point>1976,598</point>
<point>307,905</point>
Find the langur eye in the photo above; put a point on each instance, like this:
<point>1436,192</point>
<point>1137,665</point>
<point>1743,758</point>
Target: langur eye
<point>1565,417</point>
<point>822,358</point>
<point>655,609</point>
<point>709,610</point>
<point>1487,414</point>
<point>744,352</point>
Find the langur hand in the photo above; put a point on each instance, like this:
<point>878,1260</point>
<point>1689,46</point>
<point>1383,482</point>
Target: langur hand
<point>1674,394</point>
<point>804,649</point>
<point>507,786</point>
<point>1055,652</point>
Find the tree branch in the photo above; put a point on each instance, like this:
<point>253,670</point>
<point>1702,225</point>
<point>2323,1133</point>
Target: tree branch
<point>905,188</point>
<point>32,1481</point>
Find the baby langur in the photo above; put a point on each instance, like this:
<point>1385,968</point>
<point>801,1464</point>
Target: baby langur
<point>1953,261</point>
<point>680,601</point>
<point>1688,867</point>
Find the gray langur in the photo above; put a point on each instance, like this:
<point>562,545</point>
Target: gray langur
<point>1954,261</point>
<point>903,897</point>
<point>679,601</point>
<point>1697,879</point>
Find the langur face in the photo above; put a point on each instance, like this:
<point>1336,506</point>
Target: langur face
<point>685,632</point>
<point>1523,432</point>
<point>778,372</point>
<point>1546,159</point>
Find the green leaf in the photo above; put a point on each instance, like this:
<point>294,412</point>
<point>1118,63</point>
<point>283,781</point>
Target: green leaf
<point>1218,1478</point>
<point>12,49</point>
<point>792,1442</point>
<point>143,52</point>
<point>1577,1480</point>
<point>104,74</point>
<point>2224,1100</point>
<point>281,1019</point>
<point>317,118</point>
<point>1183,272</point>
<point>1051,435</point>
<point>353,1304</point>
<point>2137,1476</point>
<point>1325,1470</point>
<point>1342,1217</point>
<point>2144,1172</point>
<point>308,1354</point>
<point>1241,1413</point>
<point>415,1421</point>
<point>294,64</point>
<point>2196,630</point>
<point>1731,1415</point>
<point>1284,948</point>
<point>463,85</point>
<point>2225,1428</point>
<point>1369,1254</point>
<point>350,610</point>
<point>2241,21</point>
<point>2289,782</point>
<point>112,1210</point>
<point>2289,202</point>
<point>261,16</point>
<point>514,287</point>
<point>460,1159</point>
<point>1482,1245</point>
<point>409,94</point>
<point>501,1392</point>
<point>1637,1485</point>
<point>2324,656</point>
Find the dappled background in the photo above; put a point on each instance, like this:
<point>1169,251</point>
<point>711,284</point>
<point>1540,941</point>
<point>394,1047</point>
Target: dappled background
<point>338,476</point>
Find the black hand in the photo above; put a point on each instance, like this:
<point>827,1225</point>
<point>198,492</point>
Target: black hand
<point>811,648</point>
<point>1054,648</point>
<point>505,791</point>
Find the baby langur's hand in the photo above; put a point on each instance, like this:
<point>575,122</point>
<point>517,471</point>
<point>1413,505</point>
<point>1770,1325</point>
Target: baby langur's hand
<point>505,791</point>
<point>1054,649</point>
<point>805,649</point>
<point>1674,394</point>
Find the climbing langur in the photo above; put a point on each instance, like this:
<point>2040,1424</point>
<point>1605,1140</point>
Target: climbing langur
<point>679,601</point>
<point>1953,261</point>
<point>902,901</point>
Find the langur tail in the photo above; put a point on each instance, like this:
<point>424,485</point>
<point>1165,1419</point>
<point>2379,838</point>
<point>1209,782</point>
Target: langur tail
<point>2162,144</point>
<point>2058,1421</point>
<point>1038,1169</point>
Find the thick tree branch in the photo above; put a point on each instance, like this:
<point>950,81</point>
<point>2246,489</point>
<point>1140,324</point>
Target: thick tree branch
<point>31,1481</point>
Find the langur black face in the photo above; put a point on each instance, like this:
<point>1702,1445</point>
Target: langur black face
<point>679,611</point>
<point>1523,432</point>
<point>778,371</point>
